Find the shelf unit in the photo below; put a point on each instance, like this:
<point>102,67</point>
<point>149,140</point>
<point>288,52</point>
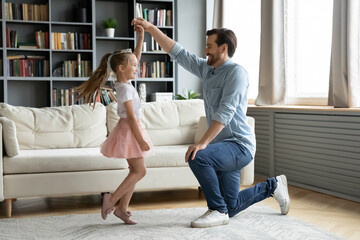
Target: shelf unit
<point>63,17</point>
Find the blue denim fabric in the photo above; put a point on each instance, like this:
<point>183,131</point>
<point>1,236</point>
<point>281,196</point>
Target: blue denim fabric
<point>217,168</point>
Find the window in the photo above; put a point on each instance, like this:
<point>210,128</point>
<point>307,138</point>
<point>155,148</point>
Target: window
<point>308,46</point>
<point>243,17</point>
<point>308,41</point>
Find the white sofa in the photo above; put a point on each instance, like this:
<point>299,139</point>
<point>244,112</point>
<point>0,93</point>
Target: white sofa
<point>55,151</point>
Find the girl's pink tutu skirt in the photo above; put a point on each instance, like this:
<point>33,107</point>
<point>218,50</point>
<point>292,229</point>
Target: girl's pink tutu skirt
<point>121,142</point>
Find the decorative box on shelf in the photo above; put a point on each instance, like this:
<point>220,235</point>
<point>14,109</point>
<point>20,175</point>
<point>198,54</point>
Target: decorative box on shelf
<point>161,96</point>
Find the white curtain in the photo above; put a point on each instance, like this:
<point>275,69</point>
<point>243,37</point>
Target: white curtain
<point>344,84</point>
<point>272,84</point>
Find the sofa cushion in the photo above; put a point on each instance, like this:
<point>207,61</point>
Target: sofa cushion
<point>9,135</point>
<point>60,160</point>
<point>86,159</point>
<point>167,156</point>
<point>58,127</point>
<point>167,123</point>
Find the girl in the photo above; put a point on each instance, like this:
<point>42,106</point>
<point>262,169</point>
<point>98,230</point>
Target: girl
<point>128,139</point>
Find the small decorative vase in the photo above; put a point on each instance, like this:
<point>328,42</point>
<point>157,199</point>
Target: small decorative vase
<point>142,92</point>
<point>110,32</point>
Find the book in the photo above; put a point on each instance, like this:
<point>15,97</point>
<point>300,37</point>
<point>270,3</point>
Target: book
<point>46,39</point>
<point>169,18</point>
<point>139,12</point>
<point>78,64</point>
<point>25,7</point>
<point>15,56</point>
<point>54,97</point>
<point>13,39</point>
<point>67,99</point>
<point>8,43</point>
<point>26,45</point>
<point>112,96</point>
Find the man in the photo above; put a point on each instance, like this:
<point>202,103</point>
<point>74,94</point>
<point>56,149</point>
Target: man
<point>229,143</point>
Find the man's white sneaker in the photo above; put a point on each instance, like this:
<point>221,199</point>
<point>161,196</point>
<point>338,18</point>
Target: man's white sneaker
<point>211,218</point>
<point>281,194</point>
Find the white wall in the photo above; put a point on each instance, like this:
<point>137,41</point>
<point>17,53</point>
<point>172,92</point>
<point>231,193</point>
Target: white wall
<point>191,34</point>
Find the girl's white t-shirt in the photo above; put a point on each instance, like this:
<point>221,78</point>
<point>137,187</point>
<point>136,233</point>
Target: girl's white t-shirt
<point>124,93</point>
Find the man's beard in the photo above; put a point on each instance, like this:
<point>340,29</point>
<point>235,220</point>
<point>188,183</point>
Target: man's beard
<point>211,60</point>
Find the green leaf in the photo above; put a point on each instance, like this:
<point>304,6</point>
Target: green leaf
<point>109,23</point>
<point>187,94</point>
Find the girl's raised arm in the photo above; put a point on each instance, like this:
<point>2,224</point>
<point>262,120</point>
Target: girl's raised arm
<point>140,33</point>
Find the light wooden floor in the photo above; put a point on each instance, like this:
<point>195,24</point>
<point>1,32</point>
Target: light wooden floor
<point>336,215</point>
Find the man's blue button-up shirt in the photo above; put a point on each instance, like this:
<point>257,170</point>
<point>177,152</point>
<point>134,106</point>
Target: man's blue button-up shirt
<point>225,96</point>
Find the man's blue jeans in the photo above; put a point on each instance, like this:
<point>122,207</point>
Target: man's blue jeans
<point>217,168</point>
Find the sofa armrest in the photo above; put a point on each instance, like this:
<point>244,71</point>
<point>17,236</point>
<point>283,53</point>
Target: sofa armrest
<point>1,165</point>
<point>247,173</point>
<point>202,127</point>
<point>9,137</point>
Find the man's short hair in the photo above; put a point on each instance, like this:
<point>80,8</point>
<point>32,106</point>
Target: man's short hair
<point>225,35</point>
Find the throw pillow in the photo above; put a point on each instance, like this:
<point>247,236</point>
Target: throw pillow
<point>9,137</point>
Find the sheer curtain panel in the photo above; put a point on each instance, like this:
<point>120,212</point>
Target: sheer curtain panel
<point>344,84</point>
<point>272,84</point>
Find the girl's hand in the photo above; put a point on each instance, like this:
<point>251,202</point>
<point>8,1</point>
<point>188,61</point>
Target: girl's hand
<point>144,146</point>
<point>139,30</point>
<point>141,22</point>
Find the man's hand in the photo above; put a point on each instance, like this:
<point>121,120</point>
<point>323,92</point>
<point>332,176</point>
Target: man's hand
<point>193,149</point>
<point>141,22</point>
<point>213,130</point>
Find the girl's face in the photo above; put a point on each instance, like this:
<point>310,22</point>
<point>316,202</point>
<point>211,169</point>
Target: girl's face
<point>131,68</point>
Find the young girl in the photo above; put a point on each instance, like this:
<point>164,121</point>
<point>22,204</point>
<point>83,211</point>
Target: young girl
<point>128,139</point>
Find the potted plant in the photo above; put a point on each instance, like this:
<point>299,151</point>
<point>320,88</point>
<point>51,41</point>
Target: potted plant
<point>187,94</point>
<point>110,24</point>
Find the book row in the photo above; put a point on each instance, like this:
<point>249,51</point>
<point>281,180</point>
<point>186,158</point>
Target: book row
<point>41,40</point>
<point>27,11</point>
<point>59,41</point>
<point>74,68</point>
<point>107,96</point>
<point>64,97</point>
<point>158,17</point>
<point>155,69</point>
<point>29,66</point>
<point>67,97</point>
<point>70,41</point>
<point>155,45</point>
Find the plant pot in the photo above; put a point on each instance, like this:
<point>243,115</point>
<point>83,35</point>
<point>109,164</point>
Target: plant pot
<point>110,32</point>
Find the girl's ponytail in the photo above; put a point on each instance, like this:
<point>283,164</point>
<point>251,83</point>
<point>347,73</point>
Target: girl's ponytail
<point>89,90</point>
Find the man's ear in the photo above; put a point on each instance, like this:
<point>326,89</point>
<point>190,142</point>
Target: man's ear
<point>224,48</point>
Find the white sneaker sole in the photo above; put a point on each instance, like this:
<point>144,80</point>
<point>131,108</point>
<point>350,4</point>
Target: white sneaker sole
<point>206,225</point>
<point>287,205</point>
